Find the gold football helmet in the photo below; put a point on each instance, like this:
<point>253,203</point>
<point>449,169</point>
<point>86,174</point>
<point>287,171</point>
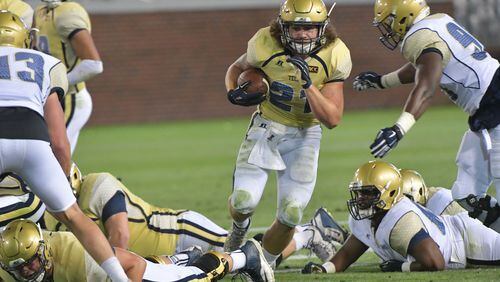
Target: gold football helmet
<point>395,17</point>
<point>21,244</point>
<point>303,13</point>
<point>414,186</point>
<point>13,31</point>
<point>75,179</point>
<point>376,186</point>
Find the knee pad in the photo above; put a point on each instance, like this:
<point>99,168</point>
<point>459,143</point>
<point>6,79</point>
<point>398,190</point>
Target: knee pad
<point>243,202</point>
<point>214,264</point>
<point>290,213</point>
<point>485,209</point>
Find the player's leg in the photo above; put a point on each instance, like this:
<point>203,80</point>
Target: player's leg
<point>77,110</point>
<point>248,185</point>
<point>197,230</point>
<point>482,244</point>
<point>473,180</point>
<point>295,188</point>
<point>46,179</point>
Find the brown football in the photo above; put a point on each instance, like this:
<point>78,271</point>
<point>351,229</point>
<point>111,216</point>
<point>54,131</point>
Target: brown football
<point>258,81</point>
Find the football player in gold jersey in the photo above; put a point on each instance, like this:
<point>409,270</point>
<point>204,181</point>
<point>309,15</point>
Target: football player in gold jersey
<point>58,256</point>
<point>134,224</point>
<point>19,8</point>
<point>64,32</point>
<point>306,65</point>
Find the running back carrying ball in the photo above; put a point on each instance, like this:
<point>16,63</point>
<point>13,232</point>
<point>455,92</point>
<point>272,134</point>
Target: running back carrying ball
<point>257,78</point>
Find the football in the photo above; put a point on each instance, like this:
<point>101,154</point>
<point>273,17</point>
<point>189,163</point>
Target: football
<point>258,81</point>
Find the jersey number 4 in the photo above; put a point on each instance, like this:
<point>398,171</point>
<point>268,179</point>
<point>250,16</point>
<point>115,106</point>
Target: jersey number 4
<point>33,73</point>
<point>465,39</point>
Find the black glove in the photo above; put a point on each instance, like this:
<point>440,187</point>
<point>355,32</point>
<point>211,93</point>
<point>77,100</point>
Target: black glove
<point>391,266</point>
<point>367,80</point>
<point>312,267</point>
<point>303,68</point>
<point>385,140</point>
<point>240,97</point>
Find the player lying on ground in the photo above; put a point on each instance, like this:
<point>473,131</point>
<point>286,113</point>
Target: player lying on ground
<point>133,224</point>
<point>30,254</point>
<point>441,53</point>
<point>404,234</point>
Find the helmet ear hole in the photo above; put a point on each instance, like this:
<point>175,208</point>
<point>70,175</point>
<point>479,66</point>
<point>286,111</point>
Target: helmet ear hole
<point>392,193</point>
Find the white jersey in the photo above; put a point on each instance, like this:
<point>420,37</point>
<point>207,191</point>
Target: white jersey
<point>439,201</point>
<point>25,78</point>
<point>470,69</point>
<point>448,239</point>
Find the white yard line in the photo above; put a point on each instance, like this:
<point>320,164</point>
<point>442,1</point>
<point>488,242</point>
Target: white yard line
<point>263,229</point>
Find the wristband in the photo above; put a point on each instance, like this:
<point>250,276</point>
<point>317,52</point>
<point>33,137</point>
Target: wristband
<point>405,122</point>
<point>405,267</point>
<point>390,80</point>
<point>329,267</point>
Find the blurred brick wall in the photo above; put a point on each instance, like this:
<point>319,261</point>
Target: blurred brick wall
<point>171,65</point>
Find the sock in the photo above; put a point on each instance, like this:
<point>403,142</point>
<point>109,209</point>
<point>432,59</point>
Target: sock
<point>179,259</point>
<point>114,270</point>
<point>243,224</point>
<point>239,260</point>
<point>302,239</point>
<point>271,259</point>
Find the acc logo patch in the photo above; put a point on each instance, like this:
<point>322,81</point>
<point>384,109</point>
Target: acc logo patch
<point>313,69</point>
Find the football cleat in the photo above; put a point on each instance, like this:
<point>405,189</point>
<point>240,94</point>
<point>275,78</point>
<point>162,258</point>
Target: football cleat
<point>256,266</point>
<point>321,246</point>
<point>235,238</point>
<point>329,228</point>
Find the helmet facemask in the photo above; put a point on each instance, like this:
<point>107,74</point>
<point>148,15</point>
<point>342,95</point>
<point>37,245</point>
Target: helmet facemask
<point>303,46</point>
<point>364,201</point>
<point>389,37</point>
<point>15,267</point>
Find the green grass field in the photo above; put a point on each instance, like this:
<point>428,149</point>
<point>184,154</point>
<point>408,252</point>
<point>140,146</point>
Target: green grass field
<point>189,165</point>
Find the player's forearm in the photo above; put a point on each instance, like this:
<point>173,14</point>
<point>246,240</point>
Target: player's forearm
<point>417,266</point>
<point>119,239</point>
<point>327,112</point>
<point>420,98</point>
<point>406,74</point>
<point>232,76</point>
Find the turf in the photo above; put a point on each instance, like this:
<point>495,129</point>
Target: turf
<point>190,165</point>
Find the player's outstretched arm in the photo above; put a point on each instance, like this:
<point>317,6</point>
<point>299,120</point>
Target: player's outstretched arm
<point>372,80</point>
<point>85,49</point>
<point>350,252</point>
<point>427,76</point>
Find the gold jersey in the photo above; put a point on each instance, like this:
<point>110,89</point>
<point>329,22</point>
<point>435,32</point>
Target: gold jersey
<point>71,261</point>
<point>153,230</point>
<point>19,8</point>
<point>286,101</point>
<point>57,26</point>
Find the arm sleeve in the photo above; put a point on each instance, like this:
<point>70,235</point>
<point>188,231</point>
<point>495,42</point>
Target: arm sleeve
<point>405,230</point>
<point>103,194</point>
<point>115,205</point>
<point>423,41</point>
<point>258,48</point>
<point>341,63</point>
<point>72,19</point>
<point>58,80</point>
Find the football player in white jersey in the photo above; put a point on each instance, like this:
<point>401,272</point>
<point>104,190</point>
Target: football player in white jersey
<point>306,65</point>
<point>441,53</point>
<point>405,235</point>
<point>65,33</point>
<point>58,256</point>
<point>437,199</point>
<point>33,141</point>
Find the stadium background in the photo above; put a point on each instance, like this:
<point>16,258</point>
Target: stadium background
<point>165,63</point>
<point>166,60</point>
